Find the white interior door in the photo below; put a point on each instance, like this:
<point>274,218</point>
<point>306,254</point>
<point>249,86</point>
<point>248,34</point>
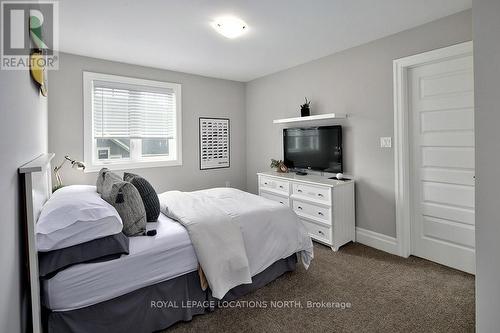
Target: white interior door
<point>441,104</point>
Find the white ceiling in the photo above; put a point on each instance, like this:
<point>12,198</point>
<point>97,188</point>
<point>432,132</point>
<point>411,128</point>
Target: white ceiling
<point>176,34</point>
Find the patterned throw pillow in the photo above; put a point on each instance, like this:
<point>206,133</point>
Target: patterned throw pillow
<point>127,201</point>
<point>148,195</point>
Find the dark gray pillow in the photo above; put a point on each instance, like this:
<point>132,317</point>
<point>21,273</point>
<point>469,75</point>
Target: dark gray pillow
<point>148,195</point>
<point>128,202</point>
<point>97,250</point>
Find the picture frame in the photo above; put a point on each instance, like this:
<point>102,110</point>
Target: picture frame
<point>214,143</point>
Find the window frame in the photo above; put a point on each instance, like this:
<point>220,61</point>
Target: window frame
<point>91,164</point>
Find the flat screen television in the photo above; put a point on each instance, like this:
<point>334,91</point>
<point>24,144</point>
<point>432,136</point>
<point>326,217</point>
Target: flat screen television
<point>314,148</point>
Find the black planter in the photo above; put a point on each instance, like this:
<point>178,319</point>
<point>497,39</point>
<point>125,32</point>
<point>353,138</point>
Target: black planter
<point>305,112</point>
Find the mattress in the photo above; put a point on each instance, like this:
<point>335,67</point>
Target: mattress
<point>152,259</point>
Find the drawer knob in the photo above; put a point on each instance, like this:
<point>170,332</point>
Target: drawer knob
<point>281,186</point>
<point>320,195</point>
<point>281,202</point>
<point>320,232</point>
<point>320,213</point>
<point>299,207</point>
<point>299,190</point>
<point>265,183</point>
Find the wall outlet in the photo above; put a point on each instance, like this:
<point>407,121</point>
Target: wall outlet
<point>228,183</point>
<point>386,142</point>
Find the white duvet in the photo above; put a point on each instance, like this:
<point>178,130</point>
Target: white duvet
<point>266,232</point>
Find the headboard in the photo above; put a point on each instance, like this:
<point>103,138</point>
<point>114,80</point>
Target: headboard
<point>37,182</point>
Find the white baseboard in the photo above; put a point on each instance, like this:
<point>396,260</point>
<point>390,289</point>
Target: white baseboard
<point>376,240</point>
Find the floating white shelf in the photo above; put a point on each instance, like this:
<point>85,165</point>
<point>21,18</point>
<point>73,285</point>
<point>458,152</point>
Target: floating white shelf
<point>326,116</point>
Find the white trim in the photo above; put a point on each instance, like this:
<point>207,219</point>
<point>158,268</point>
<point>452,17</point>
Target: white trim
<point>129,165</point>
<point>146,162</point>
<point>401,139</point>
<point>376,240</point>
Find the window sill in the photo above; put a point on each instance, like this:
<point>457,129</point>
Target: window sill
<point>114,166</point>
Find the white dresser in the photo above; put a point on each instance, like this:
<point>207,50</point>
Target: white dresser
<point>326,206</point>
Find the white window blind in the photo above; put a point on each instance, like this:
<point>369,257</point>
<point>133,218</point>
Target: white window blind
<point>131,122</point>
<point>129,111</point>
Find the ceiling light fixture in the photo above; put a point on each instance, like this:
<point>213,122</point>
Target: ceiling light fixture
<point>229,26</point>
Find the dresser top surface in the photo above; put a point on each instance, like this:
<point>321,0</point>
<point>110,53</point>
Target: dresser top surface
<point>310,179</point>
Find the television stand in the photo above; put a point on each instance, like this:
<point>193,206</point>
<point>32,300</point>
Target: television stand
<point>325,206</point>
<point>301,173</point>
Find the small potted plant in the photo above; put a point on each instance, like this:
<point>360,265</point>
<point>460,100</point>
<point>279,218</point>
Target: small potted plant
<point>279,165</point>
<point>305,111</point>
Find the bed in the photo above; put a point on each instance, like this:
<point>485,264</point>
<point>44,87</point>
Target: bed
<point>158,283</point>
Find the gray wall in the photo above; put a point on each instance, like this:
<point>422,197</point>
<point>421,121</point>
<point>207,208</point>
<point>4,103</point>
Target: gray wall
<point>201,96</point>
<point>357,82</point>
<point>487,120</point>
<point>23,130</point>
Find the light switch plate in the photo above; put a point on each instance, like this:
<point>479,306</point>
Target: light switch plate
<point>386,142</point>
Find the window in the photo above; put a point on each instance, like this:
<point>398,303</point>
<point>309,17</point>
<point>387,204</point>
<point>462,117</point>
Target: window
<point>131,123</point>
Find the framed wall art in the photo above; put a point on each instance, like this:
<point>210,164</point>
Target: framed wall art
<point>214,143</point>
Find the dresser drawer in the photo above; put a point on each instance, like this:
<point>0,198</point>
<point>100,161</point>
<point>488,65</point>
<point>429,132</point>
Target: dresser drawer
<point>312,192</point>
<point>277,198</point>
<point>275,185</point>
<point>318,232</point>
<point>314,211</point>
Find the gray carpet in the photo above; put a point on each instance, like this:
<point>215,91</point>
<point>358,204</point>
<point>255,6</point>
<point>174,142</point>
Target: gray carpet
<point>387,294</point>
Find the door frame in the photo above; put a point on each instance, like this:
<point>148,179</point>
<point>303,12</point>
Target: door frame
<point>401,134</point>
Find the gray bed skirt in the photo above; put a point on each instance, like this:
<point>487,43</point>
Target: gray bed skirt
<point>156,307</point>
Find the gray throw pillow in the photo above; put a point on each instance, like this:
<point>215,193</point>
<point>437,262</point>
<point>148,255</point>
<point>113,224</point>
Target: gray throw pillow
<point>148,195</point>
<point>100,179</point>
<point>128,202</point>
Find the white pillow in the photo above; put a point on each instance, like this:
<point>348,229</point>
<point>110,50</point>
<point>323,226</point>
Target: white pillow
<point>75,214</point>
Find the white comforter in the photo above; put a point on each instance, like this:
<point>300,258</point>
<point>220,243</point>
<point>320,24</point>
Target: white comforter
<point>229,256</point>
